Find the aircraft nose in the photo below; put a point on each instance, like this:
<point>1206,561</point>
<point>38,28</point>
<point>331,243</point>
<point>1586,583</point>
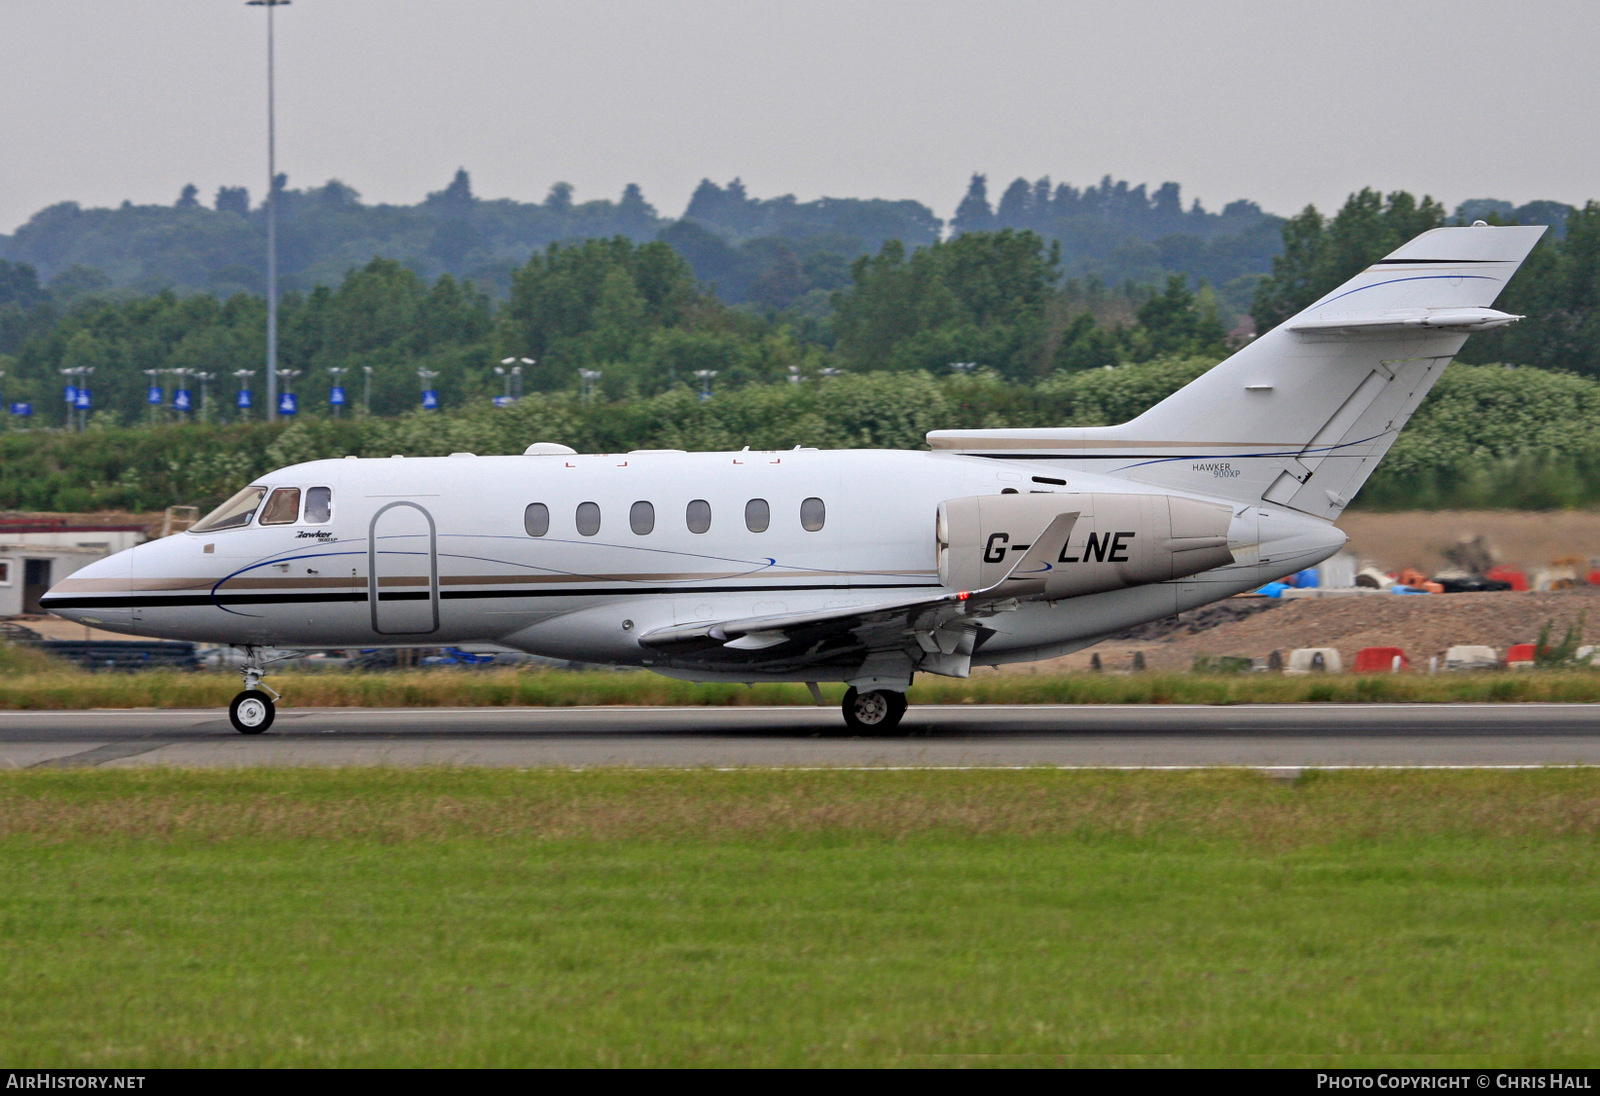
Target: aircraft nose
<point>84,591</point>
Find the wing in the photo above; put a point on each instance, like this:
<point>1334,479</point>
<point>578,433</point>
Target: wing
<point>938,634</point>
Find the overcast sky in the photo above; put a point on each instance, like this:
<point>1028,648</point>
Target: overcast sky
<point>1281,102</point>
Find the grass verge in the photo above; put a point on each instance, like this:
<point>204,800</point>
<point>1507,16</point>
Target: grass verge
<point>486,917</point>
<point>33,689</point>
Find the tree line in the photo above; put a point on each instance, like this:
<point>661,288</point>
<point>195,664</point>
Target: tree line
<point>635,314</point>
<point>1487,436</point>
<point>996,304</point>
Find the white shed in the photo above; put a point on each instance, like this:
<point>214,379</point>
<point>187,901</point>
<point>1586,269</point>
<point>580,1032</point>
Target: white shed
<point>35,554</point>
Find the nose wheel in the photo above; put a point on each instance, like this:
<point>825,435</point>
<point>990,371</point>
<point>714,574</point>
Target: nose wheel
<point>251,712</point>
<point>874,710</point>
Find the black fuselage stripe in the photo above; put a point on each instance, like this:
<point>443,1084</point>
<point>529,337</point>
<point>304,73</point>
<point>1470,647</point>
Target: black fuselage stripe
<point>146,601</point>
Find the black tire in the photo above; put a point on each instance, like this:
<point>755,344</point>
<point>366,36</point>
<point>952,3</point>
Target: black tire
<point>874,711</point>
<point>251,712</point>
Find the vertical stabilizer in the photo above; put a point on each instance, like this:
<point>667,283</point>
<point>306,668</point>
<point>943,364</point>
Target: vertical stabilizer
<point>1302,415</point>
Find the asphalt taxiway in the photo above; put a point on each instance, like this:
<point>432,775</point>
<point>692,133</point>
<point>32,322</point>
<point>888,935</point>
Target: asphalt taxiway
<point>1266,736</point>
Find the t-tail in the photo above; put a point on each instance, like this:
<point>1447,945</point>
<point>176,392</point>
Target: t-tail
<point>1301,416</point>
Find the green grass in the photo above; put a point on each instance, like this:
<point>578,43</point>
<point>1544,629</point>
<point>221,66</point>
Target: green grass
<point>32,688</point>
<point>472,917</point>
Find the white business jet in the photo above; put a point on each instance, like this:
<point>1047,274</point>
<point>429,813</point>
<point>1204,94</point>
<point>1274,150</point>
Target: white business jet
<point>860,566</point>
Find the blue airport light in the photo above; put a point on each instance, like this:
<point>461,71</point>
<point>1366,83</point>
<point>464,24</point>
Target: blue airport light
<point>155,397</point>
<point>287,404</point>
<point>336,396</point>
<point>244,399</point>
<point>70,395</point>
<point>430,400</point>
<point>83,403</point>
<point>23,409</point>
<point>504,401</point>
<point>182,400</point>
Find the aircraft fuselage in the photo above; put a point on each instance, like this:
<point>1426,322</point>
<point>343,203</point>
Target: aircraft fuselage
<point>578,556</point>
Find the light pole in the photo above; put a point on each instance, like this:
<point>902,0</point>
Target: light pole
<point>182,398</point>
<point>242,401</point>
<point>153,396</point>
<point>77,395</point>
<point>287,405</point>
<point>589,377</point>
<point>69,394</point>
<point>272,217</point>
<point>205,379</point>
<point>794,374</point>
<point>366,391</point>
<point>504,371</point>
<point>705,376</point>
<point>511,371</point>
<point>963,369</point>
<point>336,391</point>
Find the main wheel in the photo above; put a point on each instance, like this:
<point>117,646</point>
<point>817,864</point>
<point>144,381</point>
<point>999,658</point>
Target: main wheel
<point>874,710</point>
<point>251,712</point>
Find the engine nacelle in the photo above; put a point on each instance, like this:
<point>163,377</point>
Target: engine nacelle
<point>1116,541</point>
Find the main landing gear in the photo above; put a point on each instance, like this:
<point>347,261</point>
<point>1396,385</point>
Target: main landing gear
<point>873,711</point>
<point>252,710</point>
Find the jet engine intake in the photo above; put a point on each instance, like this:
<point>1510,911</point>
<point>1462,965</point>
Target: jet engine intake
<point>1116,541</point>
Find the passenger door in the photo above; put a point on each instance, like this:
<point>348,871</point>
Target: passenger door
<point>403,570</point>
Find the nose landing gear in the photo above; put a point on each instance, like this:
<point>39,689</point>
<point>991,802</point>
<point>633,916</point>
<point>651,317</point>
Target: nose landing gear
<point>873,711</point>
<point>252,710</point>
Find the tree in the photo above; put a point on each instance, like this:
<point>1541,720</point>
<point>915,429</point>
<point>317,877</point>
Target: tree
<point>233,199</point>
<point>977,297</point>
<point>559,200</point>
<point>1016,206</point>
<point>1175,323</point>
<point>592,302</point>
<point>974,214</point>
<point>189,198</point>
<point>456,196</point>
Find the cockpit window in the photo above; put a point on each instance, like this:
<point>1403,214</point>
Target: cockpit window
<point>319,505</point>
<point>283,508</point>
<point>233,514</point>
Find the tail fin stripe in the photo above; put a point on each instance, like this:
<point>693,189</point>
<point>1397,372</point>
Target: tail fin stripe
<point>1397,281</point>
<point>1312,451</point>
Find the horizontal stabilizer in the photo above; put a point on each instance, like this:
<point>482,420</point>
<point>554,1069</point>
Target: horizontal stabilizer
<point>1416,319</point>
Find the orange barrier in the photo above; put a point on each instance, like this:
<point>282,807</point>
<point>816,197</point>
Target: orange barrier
<point>1518,579</point>
<point>1519,655</point>
<point>1380,660</point>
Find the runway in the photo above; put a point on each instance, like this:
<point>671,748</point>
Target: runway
<point>1267,736</point>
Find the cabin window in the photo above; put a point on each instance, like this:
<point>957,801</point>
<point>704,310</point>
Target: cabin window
<point>588,518</point>
<point>283,508</point>
<point>813,514</point>
<point>319,505</point>
<point>698,515</point>
<point>642,518</point>
<point>757,515</point>
<point>5,572</point>
<point>233,514</point>
<point>536,519</point>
